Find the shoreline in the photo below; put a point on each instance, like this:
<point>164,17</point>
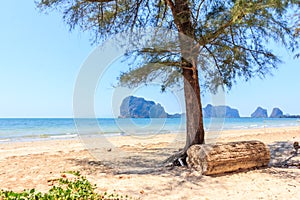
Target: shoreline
<point>57,130</point>
<point>172,141</point>
<point>208,134</point>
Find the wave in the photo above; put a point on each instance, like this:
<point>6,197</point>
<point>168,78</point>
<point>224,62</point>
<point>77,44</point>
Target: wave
<point>64,136</point>
<point>5,140</point>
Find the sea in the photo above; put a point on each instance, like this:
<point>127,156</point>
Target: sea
<point>30,129</point>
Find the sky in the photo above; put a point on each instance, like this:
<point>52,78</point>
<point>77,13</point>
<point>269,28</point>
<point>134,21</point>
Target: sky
<point>40,61</point>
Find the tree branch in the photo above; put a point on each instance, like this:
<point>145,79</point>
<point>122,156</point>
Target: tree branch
<point>99,1</point>
<point>197,13</point>
<point>214,58</point>
<point>153,50</point>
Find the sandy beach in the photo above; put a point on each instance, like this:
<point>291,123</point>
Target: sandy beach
<point>132,165</point>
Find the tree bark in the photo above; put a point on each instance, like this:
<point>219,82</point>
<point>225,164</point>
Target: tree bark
<point>220,158</point>
<point>194,117</point>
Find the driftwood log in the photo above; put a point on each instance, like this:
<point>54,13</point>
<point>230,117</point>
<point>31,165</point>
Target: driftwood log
<point>219,158</point>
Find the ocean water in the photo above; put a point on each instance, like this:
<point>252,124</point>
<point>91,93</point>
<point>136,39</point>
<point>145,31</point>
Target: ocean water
<point>28,129</point>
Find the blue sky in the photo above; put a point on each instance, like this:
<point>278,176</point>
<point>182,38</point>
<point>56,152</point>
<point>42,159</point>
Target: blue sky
<point>40,61</point>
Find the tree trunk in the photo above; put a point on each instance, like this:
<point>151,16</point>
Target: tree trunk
<point>194,117</point>
<point>228,157</point>
<point>189,52</point>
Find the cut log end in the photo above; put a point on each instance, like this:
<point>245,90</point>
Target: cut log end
<point>220,158</point>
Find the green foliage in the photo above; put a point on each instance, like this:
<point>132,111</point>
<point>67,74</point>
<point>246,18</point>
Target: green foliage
<point>231,36</point>
<point>80,188</point>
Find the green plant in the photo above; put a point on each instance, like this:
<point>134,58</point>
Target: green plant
<point>79,188</point>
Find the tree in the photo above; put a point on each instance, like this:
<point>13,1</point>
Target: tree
<point>228,40</point>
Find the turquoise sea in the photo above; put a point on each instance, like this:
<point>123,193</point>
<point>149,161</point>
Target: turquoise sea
<point>28,129</point>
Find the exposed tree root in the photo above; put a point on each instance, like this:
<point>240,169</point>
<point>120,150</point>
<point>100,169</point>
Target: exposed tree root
<point>178,159</point>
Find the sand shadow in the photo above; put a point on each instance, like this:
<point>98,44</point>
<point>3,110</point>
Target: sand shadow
<point>131,161</point>
<point>150,160</point>
<point>284,155</point>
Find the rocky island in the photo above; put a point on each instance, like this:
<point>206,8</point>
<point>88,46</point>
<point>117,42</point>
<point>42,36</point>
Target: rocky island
<point>260,113</point>
<point>211,111</point>
<point>138,107</point>
<point>276,113</point>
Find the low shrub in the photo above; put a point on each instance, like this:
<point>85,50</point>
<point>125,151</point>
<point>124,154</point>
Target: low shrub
<point>79,188</point>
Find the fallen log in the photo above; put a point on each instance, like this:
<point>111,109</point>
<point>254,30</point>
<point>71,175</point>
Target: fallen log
<point>219,158</point>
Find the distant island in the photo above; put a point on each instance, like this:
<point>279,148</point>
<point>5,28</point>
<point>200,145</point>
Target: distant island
<point>276,113</point>
<point>211,111</point>
<point>138,107</point>
<point>260,113</point>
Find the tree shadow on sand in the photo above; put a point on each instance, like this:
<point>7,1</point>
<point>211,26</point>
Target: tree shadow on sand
<point>138,160</point>
<point>284,160</point>
<point>129,160</point>
<point>284,155</point>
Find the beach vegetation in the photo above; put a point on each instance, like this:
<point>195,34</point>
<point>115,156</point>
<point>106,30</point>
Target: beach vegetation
<point>222,40</point>
<point>66,189</point>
